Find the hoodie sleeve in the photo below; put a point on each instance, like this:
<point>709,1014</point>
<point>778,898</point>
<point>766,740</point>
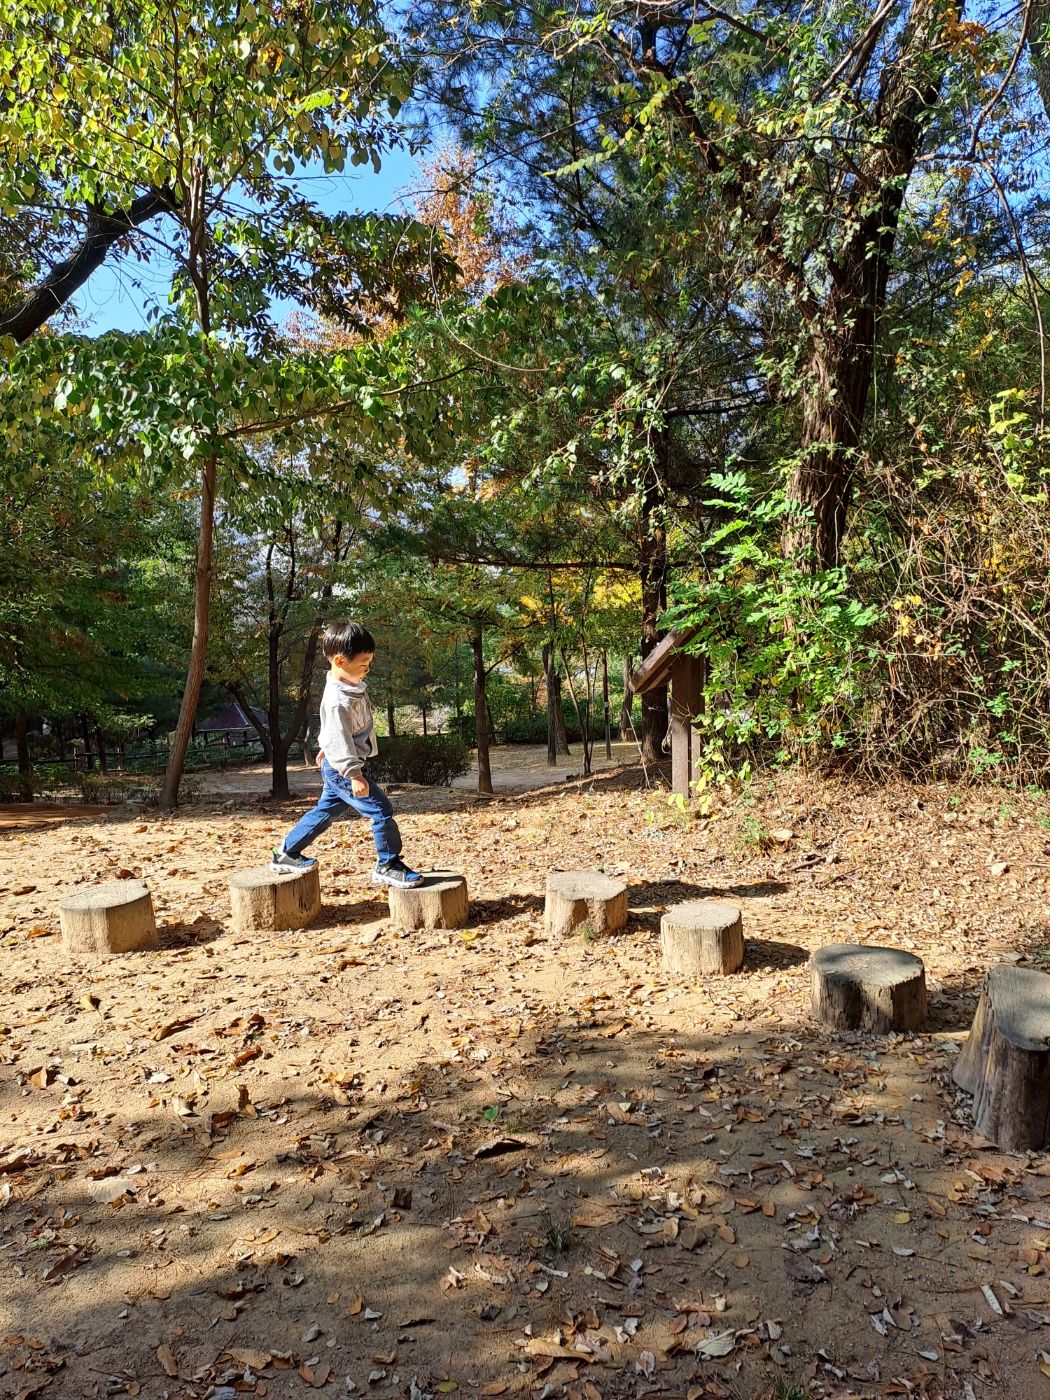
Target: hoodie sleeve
<point>337,739</point>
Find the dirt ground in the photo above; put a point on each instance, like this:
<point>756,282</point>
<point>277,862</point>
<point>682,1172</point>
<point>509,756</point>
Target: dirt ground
<point>489,1162</point>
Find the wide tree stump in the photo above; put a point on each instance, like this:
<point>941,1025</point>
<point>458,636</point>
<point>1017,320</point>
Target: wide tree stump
<point>584,899</point>
<point>704,938</point>
<point>265,900</point>
<point>868,989</point>
<point>115,917</point>
<point>1005,1063</point>
<point>438,901</point>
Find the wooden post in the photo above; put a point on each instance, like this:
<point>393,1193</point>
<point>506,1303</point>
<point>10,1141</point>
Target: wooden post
<point>687,689</point>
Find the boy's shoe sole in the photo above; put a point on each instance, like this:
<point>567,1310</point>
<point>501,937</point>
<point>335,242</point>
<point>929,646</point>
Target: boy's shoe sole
<point>396,880</point>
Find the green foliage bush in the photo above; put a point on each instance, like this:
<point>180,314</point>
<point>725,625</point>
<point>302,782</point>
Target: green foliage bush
<point>431,760</point>
<point>786,648</point>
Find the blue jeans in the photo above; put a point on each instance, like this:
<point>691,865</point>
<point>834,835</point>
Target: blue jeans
<point>336,802</point>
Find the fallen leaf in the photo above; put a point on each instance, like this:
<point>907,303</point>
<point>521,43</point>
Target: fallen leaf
<point>167,1359</point>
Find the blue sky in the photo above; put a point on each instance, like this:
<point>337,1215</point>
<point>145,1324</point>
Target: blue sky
<point>118,295</point>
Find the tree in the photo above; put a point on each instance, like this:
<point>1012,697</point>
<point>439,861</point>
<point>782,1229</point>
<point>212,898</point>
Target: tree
<point>208,112</point>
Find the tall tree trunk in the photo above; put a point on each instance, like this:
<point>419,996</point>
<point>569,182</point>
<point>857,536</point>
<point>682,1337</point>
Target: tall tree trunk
<point>198,272</point>
<point>653,572</point>
<point>85,732</point>
<point>199,646</point>
<point>605,704</point>
<point>626,716</point>
<point>844,330</point>
<point>391,719</point>
<point>423,712</point>
<point>481,714</point>
<point>25,763</point>
<point>279,769</point>
<point>278,748</point>
<point>557,738</point>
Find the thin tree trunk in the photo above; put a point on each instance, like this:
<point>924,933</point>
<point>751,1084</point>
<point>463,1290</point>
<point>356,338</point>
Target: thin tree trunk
<point>653,572</point>
<point>100,744</point>
<point>583,718</point>
<point>481,719</point>
<point>391,719</point>
<point>197,269</point>
<point>85,732</point>
<point>626,716</point>
<point>423,712</point>
<point>607,713</point>
<point>199,646</point>
<point>25,763</point>
<point>557,738</point>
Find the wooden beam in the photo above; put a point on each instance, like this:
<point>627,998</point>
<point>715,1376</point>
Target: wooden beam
<point>656,668</point>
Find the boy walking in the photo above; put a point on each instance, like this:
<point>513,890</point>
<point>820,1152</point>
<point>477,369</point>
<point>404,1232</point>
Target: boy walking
<point>348,740</point>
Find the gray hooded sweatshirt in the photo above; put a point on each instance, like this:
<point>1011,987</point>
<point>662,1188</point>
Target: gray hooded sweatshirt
<point>348,731</point>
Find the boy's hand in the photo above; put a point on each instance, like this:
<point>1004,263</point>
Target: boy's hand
<point>320,757</point>
<point>359,785</point>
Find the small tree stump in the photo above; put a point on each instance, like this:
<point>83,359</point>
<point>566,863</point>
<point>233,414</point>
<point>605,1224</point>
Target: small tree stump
<point>438,901</point>
<point>264,900</point>
<point>703,938</point>
<point>868,989</point>
<point>1005,1063</point>
<point>584,899</point>
<point>115,917</point>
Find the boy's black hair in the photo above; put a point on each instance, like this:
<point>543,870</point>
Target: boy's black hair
<point>347,639</point>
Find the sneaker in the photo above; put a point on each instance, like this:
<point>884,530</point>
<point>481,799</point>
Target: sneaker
<point>396,873</point>
<point>283,861</point>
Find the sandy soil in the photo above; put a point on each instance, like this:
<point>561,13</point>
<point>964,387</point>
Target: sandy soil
<point>488,1162</point>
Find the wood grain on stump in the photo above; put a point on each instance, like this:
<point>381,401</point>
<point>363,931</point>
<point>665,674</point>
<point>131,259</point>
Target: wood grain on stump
<point>704,938</point>
<point>584,899</point>
<point>1005,1064</point>
<point>115,917</point>
<point>868,989</point>
<point>438,901</point>
<point>264,900</point>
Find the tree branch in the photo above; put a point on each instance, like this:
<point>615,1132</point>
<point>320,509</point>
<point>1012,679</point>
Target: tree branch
<point>102,232</point>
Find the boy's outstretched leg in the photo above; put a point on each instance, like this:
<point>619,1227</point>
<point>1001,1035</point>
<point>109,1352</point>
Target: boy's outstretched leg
<point>330,807</point>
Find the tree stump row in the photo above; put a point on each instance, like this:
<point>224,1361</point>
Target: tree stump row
<point>868,989</point>
<point>264,900</point>
<point>1005,1063</point>
<point>439,901</point>
<point>704,938</point>
<point>114,917</point>
<point>585,900</point>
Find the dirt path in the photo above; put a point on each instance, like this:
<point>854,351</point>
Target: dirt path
<point>515,768</point>
<point>484,1162</point>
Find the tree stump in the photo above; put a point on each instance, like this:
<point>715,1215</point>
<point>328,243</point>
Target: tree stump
<point>265,900</point>
<point>1005,1063</point>
<point>868,989</point>
<point>703,938</point>
<point>438,901</point>
<point>584,899</point>
<point>115,917</point>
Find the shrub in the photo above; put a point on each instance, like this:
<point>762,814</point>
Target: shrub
<point>432,760</point>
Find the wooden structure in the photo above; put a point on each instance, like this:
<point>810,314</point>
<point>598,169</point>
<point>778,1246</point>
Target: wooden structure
<point>114,917</point>
<point>584,899</point>
<point>439,901</point>
<point>1005,1064</point>
<point>668,664</point>
<point>704,938</point>
<point>264,900</point>
<point>858,988</point>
